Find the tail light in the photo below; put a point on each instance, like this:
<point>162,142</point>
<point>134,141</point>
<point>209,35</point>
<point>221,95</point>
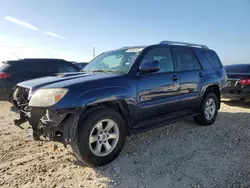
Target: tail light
<point>245,82</point>
<point>4,75</point>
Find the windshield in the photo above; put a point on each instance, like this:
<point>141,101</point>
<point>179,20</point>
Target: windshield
<point>114,61</point>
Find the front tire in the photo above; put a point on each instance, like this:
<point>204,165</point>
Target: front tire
<point>100,138</point>
<point>208,110</point>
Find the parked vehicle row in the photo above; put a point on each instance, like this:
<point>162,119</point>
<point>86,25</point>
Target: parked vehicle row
<point>122,92</point>
<point>238,82</point>
<point>13,72</point>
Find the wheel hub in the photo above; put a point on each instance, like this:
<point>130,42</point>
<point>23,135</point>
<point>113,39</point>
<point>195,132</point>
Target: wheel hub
<point>103,137</point>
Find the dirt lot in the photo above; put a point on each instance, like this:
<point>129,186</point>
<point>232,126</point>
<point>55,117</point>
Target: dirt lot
<point>178,155</point>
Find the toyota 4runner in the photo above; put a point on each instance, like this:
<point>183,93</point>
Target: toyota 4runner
<point>121,92</point>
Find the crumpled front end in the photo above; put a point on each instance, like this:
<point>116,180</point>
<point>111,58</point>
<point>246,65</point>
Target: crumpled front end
<point>46,122</point>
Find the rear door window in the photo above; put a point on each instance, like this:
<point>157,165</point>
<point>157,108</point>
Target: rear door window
<point>185,60</point>
<point>213,59</point>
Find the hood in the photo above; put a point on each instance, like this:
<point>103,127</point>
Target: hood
<point>63,80</point>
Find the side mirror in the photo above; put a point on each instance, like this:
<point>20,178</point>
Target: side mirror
<point>149,66</point>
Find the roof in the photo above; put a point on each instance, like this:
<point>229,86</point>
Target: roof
<point>242,64</point>
<point>33,59</point>
<point>42,59</point>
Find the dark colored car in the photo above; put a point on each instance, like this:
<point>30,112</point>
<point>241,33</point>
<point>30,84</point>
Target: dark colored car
<point>122,92</point>
<point>238,82</point>
<point>13,72</point>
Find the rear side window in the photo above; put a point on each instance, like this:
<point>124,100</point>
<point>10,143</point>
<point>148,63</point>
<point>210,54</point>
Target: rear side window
<point>185,60</point>
<point>31,66</point>
<point>237,68</point>
<point>213,59</point>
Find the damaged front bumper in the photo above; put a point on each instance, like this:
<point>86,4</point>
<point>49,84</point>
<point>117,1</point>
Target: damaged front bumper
<point>46,123</point>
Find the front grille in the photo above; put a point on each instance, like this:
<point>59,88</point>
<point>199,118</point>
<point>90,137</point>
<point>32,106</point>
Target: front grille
<point>22,94</point>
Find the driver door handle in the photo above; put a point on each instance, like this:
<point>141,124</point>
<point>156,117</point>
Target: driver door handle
<point>200,74</point>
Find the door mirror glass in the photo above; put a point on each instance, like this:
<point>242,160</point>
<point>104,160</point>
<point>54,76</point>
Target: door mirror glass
<point>149,66</point>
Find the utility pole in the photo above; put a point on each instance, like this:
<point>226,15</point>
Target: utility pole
<point>93,52</point>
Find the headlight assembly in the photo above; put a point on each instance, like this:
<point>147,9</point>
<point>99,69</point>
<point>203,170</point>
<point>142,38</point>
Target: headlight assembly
<point>47,97</point>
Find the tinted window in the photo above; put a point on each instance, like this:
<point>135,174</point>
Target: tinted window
<point>163,55</point>
<point>32,66</point>
<point>39,66</point>
<point>213,59</point>
<point>185,60</point>
<point>237,68</point>
<point>14,67</point>
<point>53,67</point>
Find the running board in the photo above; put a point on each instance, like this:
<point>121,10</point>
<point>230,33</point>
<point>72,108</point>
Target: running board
<point>160,121</point>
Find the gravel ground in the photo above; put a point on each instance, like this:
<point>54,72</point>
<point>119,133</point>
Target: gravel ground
<point>178,155</point>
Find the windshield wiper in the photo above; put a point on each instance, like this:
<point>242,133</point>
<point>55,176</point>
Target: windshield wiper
<point>85,71</point>
<point>103,70</point>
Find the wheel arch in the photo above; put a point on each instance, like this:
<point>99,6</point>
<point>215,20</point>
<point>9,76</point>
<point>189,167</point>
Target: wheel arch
<point>216,90</point>
<point>118,105</point>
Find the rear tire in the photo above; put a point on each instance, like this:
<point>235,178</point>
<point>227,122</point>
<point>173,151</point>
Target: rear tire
<point>89,137</point>
<point>206,114</point>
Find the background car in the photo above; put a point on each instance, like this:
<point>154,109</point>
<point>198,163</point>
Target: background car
<point>238,82</point>
<point>13,72</point>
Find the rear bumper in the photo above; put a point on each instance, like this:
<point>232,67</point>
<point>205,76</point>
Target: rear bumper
<point>236,94</point>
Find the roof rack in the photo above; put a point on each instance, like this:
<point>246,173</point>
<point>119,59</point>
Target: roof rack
<point>183,43</point>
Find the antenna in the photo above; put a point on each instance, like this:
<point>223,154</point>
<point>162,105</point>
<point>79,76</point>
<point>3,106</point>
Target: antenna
<point>16,55</point>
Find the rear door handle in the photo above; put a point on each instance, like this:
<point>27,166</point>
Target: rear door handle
<point>200,74</point>
<point>174,78</point>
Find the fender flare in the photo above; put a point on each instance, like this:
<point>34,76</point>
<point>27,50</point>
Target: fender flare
<point>88,99</point>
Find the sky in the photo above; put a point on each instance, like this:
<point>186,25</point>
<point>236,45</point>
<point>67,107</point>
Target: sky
<point>70,29</point>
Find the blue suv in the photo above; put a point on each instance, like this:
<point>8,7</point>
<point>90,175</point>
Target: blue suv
<point>121,92</point>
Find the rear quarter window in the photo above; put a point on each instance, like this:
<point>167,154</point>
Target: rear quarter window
<point>13,67</point>
<point>3,66</point>
<point>213,58</point>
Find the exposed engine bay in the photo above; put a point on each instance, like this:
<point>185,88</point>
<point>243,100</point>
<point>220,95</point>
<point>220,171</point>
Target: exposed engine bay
<point>46,123</point>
